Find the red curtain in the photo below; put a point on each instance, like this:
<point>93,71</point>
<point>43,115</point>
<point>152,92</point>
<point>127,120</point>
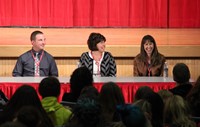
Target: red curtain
<point>184,13</point>
<point>100,13</point>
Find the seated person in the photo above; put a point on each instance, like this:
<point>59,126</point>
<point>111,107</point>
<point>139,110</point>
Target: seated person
<point>98,61</point>
<point>36,62</point>
<point>193,99</point>
<point>132,116</point>
<point>176,113</point>
<point>149,62</point>
<point>49,89</point>
<point>25,95</point>
<point>80,78</point>
<point>3,100</point>
<point>181,75</point>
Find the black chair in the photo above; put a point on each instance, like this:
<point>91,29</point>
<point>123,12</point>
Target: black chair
<point>68,104</point>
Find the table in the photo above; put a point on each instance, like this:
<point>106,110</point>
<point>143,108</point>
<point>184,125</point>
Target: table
<point>128,85</point>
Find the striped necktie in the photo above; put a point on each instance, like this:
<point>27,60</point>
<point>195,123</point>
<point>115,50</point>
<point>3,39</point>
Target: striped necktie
<point>37,66</point>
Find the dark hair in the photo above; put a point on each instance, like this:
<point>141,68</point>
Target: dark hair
<point>88,112</point>
<point>142,92</point>
<point>94,39</point>
<point>80,78</point>
<point>89,92</point>
<point>156,56</point>
<point>25,95</point>
<point>110,96</point>
<point>49,86</point>
<point>12,124</point>
<point>132,116</point>
<point>193,98</point>
<point>29,116</point>
<point>157,107</point>
<point>33,34</point>
<point>181,73</point>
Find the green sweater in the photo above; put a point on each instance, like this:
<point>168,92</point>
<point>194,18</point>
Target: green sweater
<point>57,112</point>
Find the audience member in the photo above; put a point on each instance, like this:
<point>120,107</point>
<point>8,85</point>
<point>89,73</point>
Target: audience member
<point>97,60</point>
<point>24,96</point>
<point>141,92</point>
<point>149,62</point>
<point>49,89</point>
<point>89,92</point>
<point>176,113</point>
<point>80,78</point>
<point>132,116</point>
<point>165,94</point>
<point>86,113</point>
<point>181,75</point>
<point>145,106</point>
<point>193,99</point>
<point>36,62</point>
<point>156,102</point>
<point>29,116</point>
<point>109,97</point>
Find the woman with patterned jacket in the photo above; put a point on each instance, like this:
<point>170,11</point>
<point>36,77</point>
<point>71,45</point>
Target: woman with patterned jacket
<point>97,60</point>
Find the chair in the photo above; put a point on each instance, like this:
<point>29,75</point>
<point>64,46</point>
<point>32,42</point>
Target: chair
<point>68,104</point>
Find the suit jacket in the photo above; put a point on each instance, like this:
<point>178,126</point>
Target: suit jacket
<point>141,68</point>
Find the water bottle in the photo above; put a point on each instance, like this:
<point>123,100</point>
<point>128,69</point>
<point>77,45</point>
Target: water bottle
<point>78,64</point>
<point>165,70</point>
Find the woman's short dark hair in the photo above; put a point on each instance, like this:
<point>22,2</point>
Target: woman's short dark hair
<point>181,73</point>
<point>49,86</point>
<point>94,39</point>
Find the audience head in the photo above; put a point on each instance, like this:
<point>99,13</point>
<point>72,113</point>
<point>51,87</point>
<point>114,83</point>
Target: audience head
<point>145,106</point>
<point>49,86</point>
<point>148,40</point>
<point>157,107</point>
<point>94,39</point>
<point>80,78</point>
<point>181,73</point>
<point>89,92</point>
<point>141,92</point>
<point>87,113</point>
<point>25,95</point>
<point>176,112</point>
<point>132,116</point>
<point>165,94</point>
<point>29,116</point>
<point>110,96</point>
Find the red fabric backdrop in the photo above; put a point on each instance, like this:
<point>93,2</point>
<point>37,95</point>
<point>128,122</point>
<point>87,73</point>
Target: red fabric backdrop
<point>100,13</point>
<point>128,89</point>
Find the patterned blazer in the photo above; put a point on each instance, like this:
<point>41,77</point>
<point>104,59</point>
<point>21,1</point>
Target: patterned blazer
<point>108,65</point>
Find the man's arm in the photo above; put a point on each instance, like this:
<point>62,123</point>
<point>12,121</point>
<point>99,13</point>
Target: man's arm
<point>53,68</point>
<point>18,70</point>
